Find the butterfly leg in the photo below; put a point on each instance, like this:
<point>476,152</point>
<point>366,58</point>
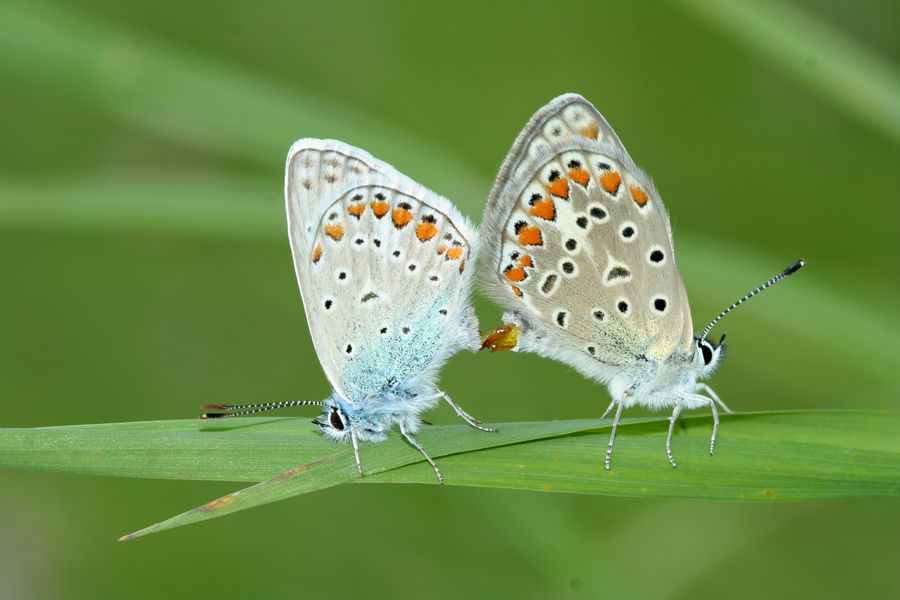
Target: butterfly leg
<point>466,416</point>
<point>715,396</point>
<point>355,443</point>
<point>612,435</point>
<point>418,446</point>
<point>715,415</point>
<point>672,419</point>
<point>608,408</point>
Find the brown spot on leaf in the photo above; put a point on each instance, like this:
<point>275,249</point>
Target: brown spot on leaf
<point>215,504</point>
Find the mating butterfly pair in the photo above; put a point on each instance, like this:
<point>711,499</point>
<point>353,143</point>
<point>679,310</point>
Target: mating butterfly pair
<point>578,247</point>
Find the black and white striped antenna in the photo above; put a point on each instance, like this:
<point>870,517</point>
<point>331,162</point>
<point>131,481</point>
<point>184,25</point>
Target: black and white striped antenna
<point>221,411</point>
<point>795,266</point>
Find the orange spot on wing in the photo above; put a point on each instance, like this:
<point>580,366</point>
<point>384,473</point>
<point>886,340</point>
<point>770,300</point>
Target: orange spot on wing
<point>526,261</point>
<point>442,248</point>
<point>401,216</point>
<point>543,209</point>
<point>335,231</point>
<point>590,130</point>
<point>580,175</point>
<point>516,274</point>
<point>529,235</point>
<point>380,208</point>
<point>317,253</point>
<point>454,252</point>
<point>462,266</point>
<point>426,230</point>
<point>559,187</point>
<point>610,180</point>
<point>357,209</point>
<point>515,290</point>
<point>640,196</point>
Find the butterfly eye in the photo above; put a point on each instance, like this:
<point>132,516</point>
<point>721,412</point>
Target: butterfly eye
<point>707,352</point>
<point>334,419</point>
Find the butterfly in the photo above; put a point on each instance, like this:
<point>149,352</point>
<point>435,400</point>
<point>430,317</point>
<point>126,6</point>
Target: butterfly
<point>578,247</point>
<point>383,269</point>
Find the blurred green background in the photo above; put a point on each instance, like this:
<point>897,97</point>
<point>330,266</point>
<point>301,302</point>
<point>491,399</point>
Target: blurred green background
<point>145,270</point>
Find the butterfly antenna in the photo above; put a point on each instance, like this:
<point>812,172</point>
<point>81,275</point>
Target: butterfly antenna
<point>220,411</point>
<point>795,266</point>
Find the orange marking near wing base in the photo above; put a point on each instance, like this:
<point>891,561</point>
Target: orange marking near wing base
<point>590,130</point>
<point>442,248</point>
<point>515,290</point>
<point>543,209</point>
<point>426,230</point>
<point>401,216</point>
<point>502,338</point>
<point>580,175</point>
<point>610,180</point>
<point>559,188</point>
<point>529,235</point>
<point>317,253</point>
<point>454,252</point>
<point>335,231</point>
<point>639,196</point>
<point>380,208</point>
<point>515,274</point>
<point>462,266</point>
<point>357,209</point>
<point>526,261</point>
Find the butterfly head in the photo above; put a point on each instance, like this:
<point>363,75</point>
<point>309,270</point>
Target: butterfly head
<point>334,422</point>
<point>341,420</point>
<point>708,355</point>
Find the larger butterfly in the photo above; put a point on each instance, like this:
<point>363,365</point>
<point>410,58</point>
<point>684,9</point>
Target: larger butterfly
<point>579,249</point>
<point>382,267</point>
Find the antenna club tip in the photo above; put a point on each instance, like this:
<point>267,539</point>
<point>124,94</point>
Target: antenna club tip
<point>205,416</point>
<point>796,266</point>
<point>216,407</point>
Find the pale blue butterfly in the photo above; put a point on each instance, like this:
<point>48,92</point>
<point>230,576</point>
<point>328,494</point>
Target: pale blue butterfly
<point>579,249</point>
<point>382,266</point>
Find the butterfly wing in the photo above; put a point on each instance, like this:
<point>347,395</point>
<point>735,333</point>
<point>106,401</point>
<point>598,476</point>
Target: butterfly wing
<point>381,263</point>
<point>579,246</point>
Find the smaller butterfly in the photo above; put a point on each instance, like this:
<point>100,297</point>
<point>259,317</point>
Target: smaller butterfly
<point>579,249</point>
<point>382,266</point>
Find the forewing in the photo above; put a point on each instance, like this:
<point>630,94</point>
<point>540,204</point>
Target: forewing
<point>579,244</point>
<point>383,273</point>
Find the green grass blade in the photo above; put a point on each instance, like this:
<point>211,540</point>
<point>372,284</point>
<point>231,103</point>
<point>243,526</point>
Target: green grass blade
<point>340,467</point>
<point>862,83</point>
<point>762,456</point>
<point>759,456</point>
